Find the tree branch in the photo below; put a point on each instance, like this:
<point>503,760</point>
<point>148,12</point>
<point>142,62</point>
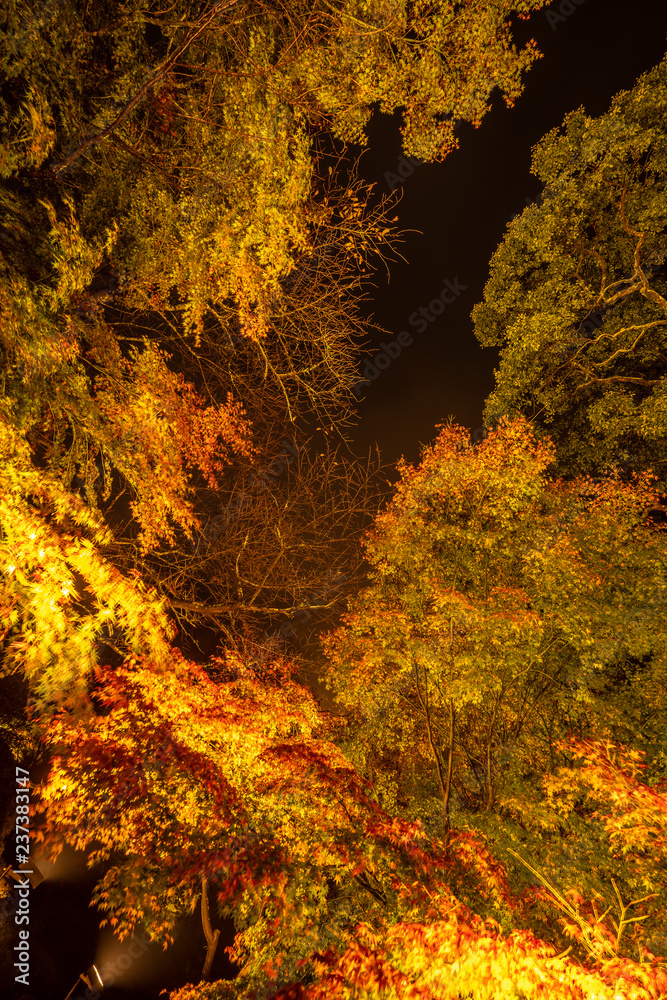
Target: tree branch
<point>444,789</point>
<point>104,133</point>
<point>362,879</point>
<point>212,936</point>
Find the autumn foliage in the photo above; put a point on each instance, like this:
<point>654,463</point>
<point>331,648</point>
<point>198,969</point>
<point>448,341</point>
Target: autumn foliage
<point>235,772</point>
<point>481,809</point>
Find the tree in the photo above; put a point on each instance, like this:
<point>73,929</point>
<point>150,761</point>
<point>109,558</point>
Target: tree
<point>234,777</point>
<point>232,773</point>
<point>179,776</point>
<point>180,276</point>
<point>440,950</point>
<point>174,257</point>
<point>193,131</point>
<point>290,513</point>
<point>505,611</point>
<point>172,237</point>
<point>193,140</point>
<point>577,298</point>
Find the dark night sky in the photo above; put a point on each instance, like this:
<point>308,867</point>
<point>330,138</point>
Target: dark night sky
<point>463,205</point>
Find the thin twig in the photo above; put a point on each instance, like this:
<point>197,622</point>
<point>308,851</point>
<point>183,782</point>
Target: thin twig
<point>97,137</point>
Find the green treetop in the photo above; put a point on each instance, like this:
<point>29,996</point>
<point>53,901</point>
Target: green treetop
<point>505,611</point>
<point>577,293</point>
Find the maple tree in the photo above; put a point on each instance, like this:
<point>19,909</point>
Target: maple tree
<point>232,777</point>
<point>193,130</point>
<point>180,277</point>
<point>505,612</point>
<point>173,239</point>
<point>172,236</point>
<point>235,777</point>
<point>235,773</point>
<point>576,296</point>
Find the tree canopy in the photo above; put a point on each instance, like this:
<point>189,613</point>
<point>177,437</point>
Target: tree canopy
<point>506,611</point>
<point>183,257</point>
<point>185,247</point>
<point>577,297</point>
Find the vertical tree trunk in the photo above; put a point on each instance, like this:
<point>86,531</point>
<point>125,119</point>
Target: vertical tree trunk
<point>445,783</point>
<point>211,935</point>
<point>450,763</point>
<point>490,794</point>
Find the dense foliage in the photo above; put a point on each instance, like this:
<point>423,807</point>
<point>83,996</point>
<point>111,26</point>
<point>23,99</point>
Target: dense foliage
<point>510,620</point>
<point>577,294</point>
<point>183,254</point>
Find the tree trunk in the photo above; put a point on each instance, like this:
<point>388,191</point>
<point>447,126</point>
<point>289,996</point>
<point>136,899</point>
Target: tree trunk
<point>211,935</point>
